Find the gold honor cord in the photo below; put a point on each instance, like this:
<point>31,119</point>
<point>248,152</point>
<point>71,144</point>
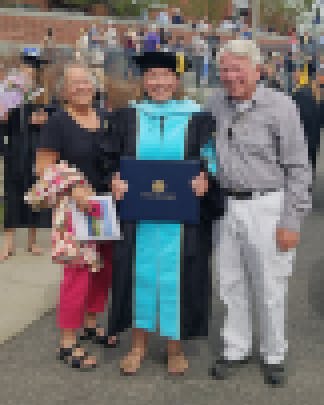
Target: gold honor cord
<point>180,63</point>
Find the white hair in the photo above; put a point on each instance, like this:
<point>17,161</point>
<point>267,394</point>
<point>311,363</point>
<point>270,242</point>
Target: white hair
<point>242,47</point>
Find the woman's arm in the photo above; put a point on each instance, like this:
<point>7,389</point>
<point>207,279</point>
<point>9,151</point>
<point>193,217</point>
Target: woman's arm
<point>45,158</point>
<point>80,193</point>
<point>50,144</point>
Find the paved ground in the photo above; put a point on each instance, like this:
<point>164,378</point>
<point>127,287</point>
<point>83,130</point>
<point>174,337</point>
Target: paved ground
<point>28,286</point>
<point>30,374</point>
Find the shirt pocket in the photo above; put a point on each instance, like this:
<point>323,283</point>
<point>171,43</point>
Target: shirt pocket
<point>255,138</point>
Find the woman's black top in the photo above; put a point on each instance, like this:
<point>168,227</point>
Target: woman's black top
<point>76,145</point>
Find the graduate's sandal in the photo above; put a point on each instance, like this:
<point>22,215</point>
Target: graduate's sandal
<point>132,362</point>
<point>177,365</point>
<point>70,356</point>
<point>94,335</point>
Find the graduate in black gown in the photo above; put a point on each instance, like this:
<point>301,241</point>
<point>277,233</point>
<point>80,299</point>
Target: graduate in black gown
<point>309,102</point>
<point>184,287</point>
<point>21,127</point>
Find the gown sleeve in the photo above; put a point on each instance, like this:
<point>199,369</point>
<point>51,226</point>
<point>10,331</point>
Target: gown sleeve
<point>110,148</point>
<point>213,203</point>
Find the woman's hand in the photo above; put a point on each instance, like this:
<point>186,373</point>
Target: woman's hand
<point>81,195</point>
<point>200,184</point>
<point>118,187</point>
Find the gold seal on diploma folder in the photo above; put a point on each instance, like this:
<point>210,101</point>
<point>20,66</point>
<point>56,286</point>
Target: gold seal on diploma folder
<point>158,186</point>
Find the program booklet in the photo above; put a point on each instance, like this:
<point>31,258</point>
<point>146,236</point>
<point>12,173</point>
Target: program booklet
<point>100,224</point>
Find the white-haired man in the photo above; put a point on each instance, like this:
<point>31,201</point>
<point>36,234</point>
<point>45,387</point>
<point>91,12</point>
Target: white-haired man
<point>262,163</point>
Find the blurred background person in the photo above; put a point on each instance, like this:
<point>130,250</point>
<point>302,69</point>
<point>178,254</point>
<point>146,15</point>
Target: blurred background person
<point>22,126</point>
<point>308,99</point>
<point>152,40</point>
<point>177,17</point>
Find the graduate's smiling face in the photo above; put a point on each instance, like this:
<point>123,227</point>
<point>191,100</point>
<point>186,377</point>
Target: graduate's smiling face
<point>160,84</point>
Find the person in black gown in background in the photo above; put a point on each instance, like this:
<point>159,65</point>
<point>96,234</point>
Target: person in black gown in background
<point>22,128</point>
<point>309,101</point>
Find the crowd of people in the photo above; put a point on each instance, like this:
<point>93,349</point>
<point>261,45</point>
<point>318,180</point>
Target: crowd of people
<point>254,187</point>
<point>114,50</point>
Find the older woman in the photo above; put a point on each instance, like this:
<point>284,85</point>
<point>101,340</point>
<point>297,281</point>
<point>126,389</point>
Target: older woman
<point>162,265</point>
<point>72,135</point>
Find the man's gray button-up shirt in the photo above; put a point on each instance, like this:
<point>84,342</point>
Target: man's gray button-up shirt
<point>266,150</point>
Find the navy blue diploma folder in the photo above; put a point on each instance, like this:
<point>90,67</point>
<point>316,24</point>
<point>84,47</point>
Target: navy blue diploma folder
<point>159,190</point>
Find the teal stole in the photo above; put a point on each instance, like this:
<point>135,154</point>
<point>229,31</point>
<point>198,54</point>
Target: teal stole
<point>158,243</point>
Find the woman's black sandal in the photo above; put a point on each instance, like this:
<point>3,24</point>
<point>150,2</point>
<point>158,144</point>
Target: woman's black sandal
<point>93,335</point>
<point>68,356</point>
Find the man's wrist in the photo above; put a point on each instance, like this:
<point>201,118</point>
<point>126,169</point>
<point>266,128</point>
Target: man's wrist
<point>290,224</point>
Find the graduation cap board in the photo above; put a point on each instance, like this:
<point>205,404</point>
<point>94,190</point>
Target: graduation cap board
<point>173,61</point>
<point>32,58</point>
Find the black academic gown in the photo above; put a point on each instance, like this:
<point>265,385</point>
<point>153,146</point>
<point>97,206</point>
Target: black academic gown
<point>19,159</point>
<point>3,128</point>
<point>195,270</point>
<point>312,120</point>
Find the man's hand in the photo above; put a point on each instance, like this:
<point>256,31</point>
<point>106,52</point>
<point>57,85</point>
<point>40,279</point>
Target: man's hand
<point>287,239</point>
<point>118,187</point>
<point>39,117</point>
<point>200,184</point>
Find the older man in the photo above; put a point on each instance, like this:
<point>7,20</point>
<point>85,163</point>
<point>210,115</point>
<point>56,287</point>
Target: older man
<point>263,165</point>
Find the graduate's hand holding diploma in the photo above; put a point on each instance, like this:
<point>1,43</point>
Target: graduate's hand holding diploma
<point>118,187</point>
<point>200,184</point>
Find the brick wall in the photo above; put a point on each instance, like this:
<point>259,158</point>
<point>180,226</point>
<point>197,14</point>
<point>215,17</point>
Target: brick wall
<point>31,29</point>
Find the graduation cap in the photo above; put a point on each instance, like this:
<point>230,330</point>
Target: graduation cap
<point>178,63</point>
<point>31,57</point>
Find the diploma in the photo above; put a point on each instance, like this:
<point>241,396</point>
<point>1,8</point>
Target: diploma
<point>159,190</point>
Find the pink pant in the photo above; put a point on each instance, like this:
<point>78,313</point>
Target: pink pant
<point>82,291</point>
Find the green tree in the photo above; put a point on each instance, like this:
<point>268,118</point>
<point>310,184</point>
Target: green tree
<point>281,14</point>
<point>213,9</point>
<point>128,7</point>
